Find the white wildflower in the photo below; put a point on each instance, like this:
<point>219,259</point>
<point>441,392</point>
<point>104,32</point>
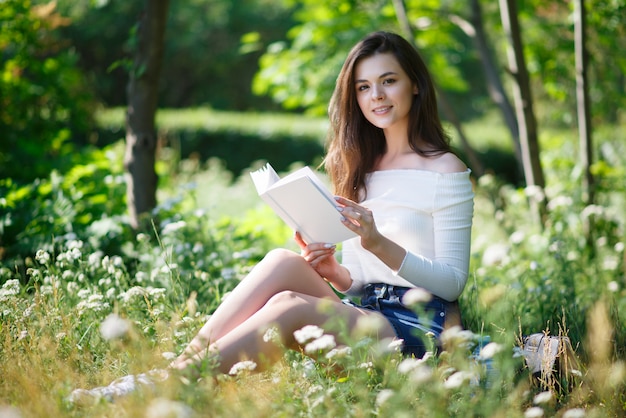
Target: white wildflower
<point>613,286</point>
<point>409,364</point>
<point>10,288</point>
<point>610,263</point>
<point>314,389</point>
<point>168,268</point>
<point>43,257</point>
<point>308,332</point>
<point>59,336</point>
<point>421,374</point>
<point>106,282</point>
<point>383,396</point>
<point>339,352</point>
<point>456,380</point>
<point>308,367</point>
<point>141,237</point>
<point>490,350</point>
<point>456,336</point>
<point>46,290</point>
<point>575,413</point>
<point>517,237</point>
<point>173,227</point>
<point>325,342</point>
<point>496,254</point>
<point>619,247</point>
<point>118,261</point>
<point>169,355</point>
<point>228,273</point>
<point>535,192</point>
<point>368,325</point>
<point>368,365</point>
<point>141,276</point>
<point>105,262</point>
<point>95,259</point>
<point>156,293</point>
<point>416,296</point>
<point>271,335</point>
<point>23,334</point>
<point>34,273</point>
<point>560,202</point>
<point>592,210</point>
<point>242,366</point>
<point>74,254</point>
<point>543,397</point>
<point>114,327</point>
<point>534,412</point>
<point>28,311</point>
<point>166,408</point>
<point>395,345</point>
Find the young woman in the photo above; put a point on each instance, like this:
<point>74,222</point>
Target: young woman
<point>405,194</point>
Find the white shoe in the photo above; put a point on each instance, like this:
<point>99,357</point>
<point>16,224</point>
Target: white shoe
<point>118,388</point>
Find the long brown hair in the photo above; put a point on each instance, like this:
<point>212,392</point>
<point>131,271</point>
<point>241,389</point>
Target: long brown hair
<point>354,144</point>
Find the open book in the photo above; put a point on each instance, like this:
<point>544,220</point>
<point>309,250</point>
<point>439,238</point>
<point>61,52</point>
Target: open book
<point>303,202</point>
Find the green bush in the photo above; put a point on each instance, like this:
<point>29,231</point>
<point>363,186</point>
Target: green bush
<point>44,102</point>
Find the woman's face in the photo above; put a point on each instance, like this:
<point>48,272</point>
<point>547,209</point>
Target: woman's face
<point>384,91</point>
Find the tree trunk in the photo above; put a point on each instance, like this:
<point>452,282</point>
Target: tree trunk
<point>495,87</point>
<point>533,173</point>
<point>474,161</point>
<point>582,101</point>
<point>142,90</point>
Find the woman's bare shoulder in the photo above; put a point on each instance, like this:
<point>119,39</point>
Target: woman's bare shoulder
<point>446,163</point>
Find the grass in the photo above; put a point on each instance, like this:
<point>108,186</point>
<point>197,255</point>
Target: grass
<point>523,279</point>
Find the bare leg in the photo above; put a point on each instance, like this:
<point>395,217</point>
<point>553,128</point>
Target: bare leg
<point>280,270</point>
<point>288,311</point>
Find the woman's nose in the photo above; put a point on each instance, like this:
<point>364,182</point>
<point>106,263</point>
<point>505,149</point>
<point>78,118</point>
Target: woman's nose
<point>377,93</point>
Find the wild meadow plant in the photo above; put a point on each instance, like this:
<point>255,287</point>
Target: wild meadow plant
<point>79,316</point>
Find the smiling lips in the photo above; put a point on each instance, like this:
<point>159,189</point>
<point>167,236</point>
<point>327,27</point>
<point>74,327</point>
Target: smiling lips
<point>381,110</point>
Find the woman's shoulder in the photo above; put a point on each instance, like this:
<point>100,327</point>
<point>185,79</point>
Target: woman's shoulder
<point>445,164</point>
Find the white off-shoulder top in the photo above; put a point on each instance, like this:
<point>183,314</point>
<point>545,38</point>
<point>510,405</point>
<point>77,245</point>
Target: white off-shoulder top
<point>429,214</point>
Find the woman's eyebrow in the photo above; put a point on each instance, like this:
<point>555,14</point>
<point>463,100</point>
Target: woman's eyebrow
<point>387,74</point>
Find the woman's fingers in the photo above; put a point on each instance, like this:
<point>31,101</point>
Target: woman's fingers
<point>298,238</point>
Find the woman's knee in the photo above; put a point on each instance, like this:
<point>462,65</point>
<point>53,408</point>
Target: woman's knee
<point>280,254</point>
<point>284,259</point>
<point>284,300</point>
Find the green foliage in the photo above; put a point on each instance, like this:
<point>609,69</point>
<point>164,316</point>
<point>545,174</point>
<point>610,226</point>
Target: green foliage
<point>71,204</point>
<point>43,100</point>
<point>550,278</point>
<point>209,57</point>
<point>320,42</point>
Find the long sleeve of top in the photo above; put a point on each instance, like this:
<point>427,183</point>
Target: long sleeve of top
<point>429,214</point>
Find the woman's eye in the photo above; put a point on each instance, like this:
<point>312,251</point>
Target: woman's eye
<point>389,81</point>
<point>361,88</point>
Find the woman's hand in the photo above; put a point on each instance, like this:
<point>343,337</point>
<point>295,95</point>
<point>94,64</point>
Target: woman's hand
<point>360,220</point>
<point>319,255</point>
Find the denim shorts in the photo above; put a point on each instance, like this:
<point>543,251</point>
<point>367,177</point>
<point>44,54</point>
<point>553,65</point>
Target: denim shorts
<point>408,326</point>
